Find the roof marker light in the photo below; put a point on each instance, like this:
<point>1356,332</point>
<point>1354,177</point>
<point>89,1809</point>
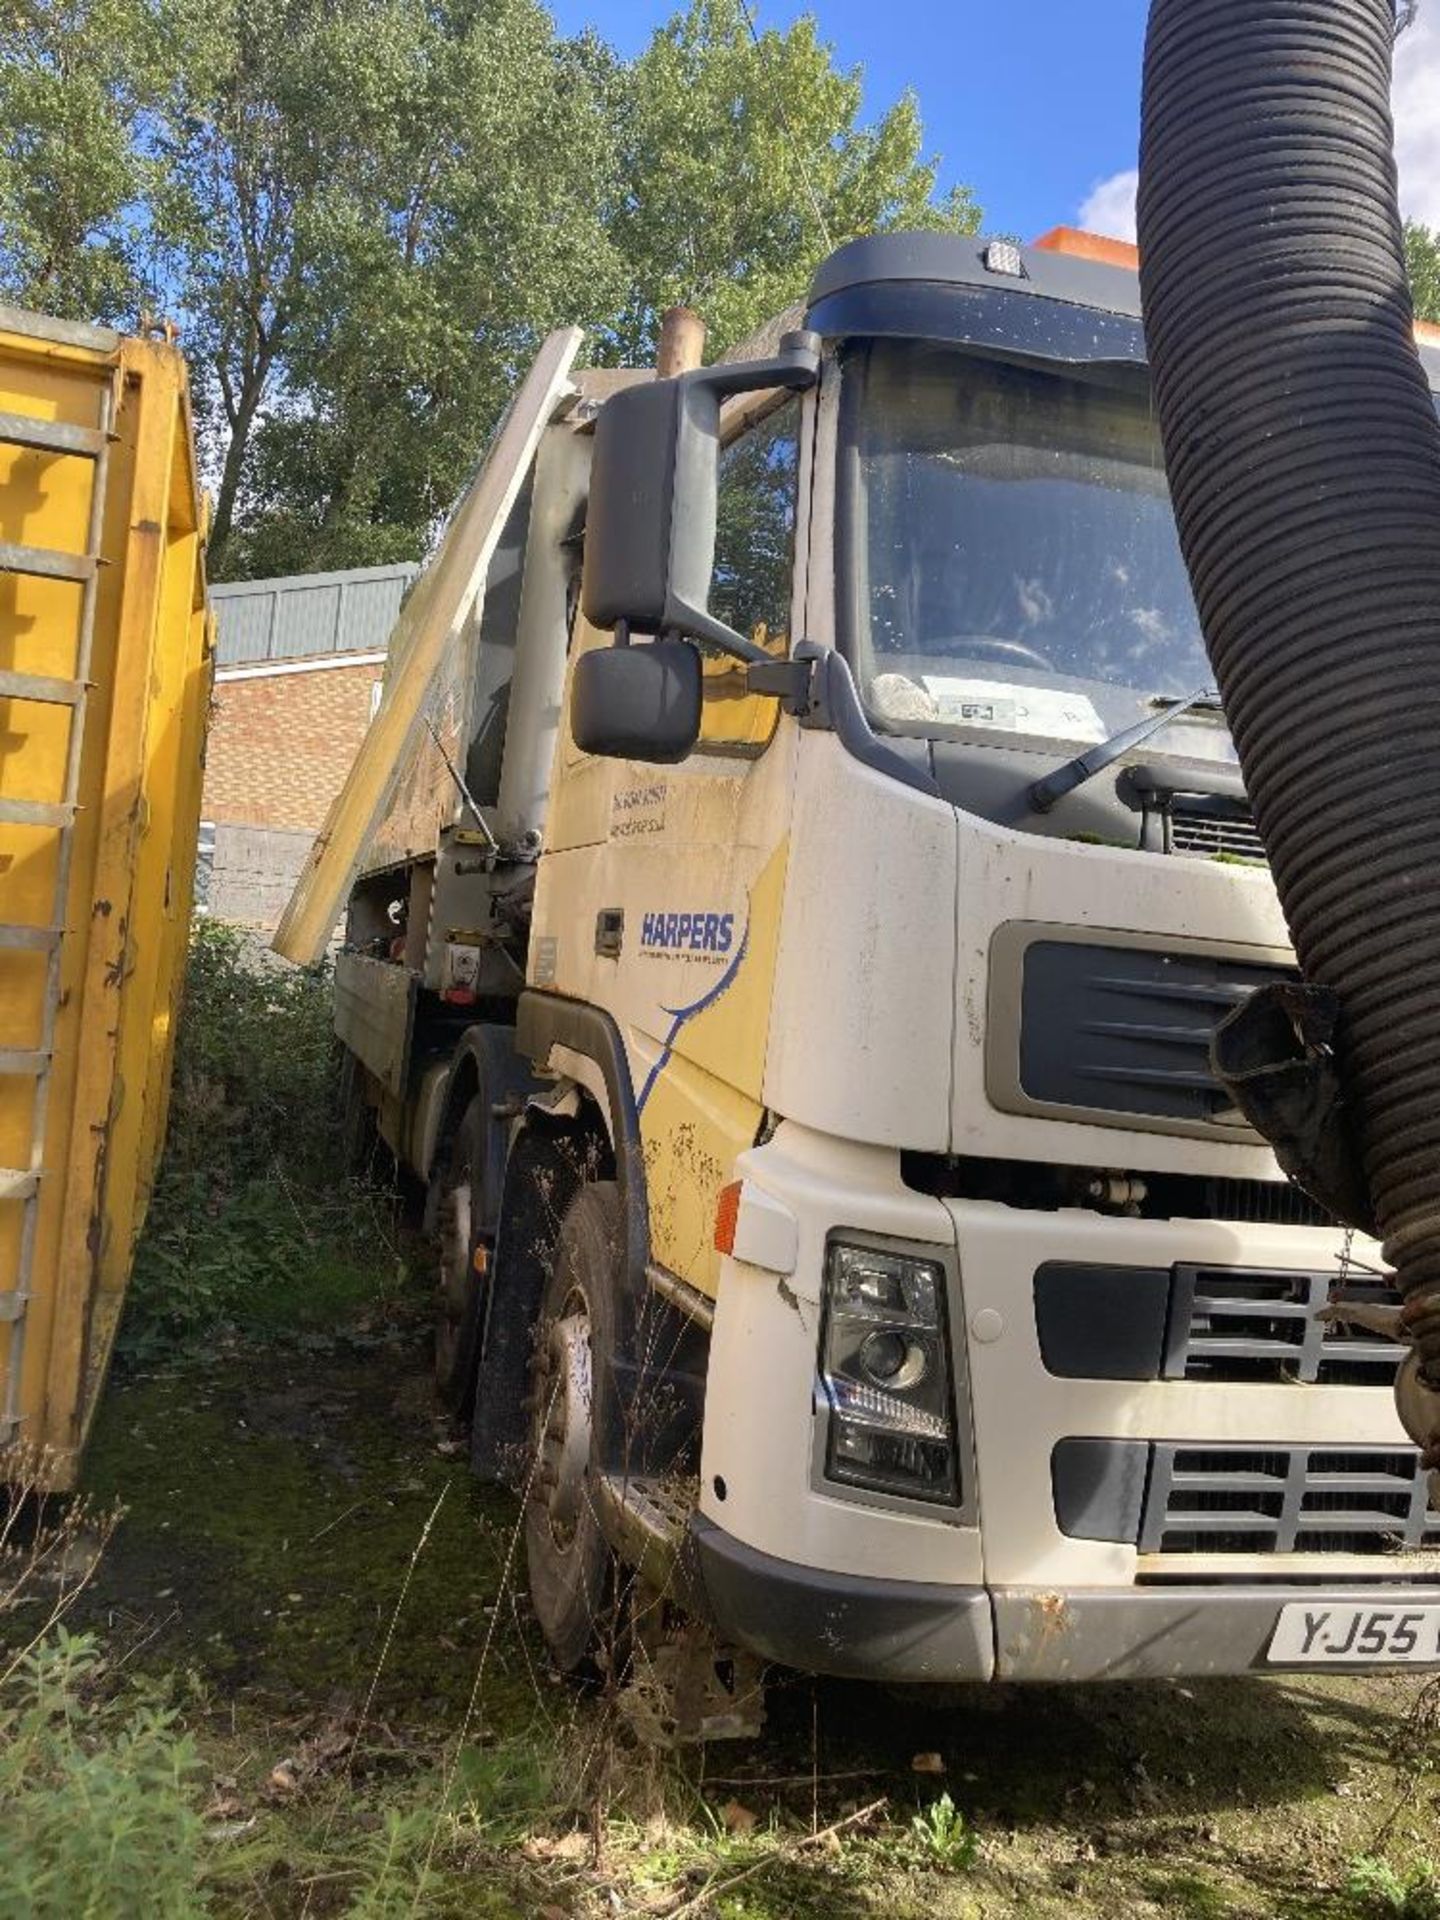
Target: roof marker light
<point>1003,256</point>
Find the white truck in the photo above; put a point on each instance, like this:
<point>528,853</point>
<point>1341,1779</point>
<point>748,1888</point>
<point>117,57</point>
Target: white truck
<point>792,881</point>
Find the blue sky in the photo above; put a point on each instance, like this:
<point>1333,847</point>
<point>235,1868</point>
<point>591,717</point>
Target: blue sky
<point>1029,102</point>
<point>1033,103</point>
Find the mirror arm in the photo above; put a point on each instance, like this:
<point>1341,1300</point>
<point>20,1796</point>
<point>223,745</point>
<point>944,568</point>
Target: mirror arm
<point>691,624</point>
<point>701,627</point>
<point>789,681</point>
<point>795,368</point>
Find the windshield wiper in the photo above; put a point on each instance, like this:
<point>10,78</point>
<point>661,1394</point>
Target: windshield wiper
<point>1054,786</point>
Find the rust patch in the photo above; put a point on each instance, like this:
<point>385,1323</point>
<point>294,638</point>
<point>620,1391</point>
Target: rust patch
<point>1052,1617</point>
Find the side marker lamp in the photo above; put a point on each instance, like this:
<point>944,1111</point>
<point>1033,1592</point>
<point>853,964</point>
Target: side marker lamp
<point>727,1216</point>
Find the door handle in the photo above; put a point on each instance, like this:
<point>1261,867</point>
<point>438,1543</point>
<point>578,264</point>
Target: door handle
<point>609,932</point>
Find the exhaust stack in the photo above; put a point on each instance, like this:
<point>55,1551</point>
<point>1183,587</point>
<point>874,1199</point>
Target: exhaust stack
<point>1304,459</point>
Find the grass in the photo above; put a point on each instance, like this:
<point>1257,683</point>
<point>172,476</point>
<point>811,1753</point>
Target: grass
<point>377,1717</point>
<point>433,1757</point>
<point>305,1680</point>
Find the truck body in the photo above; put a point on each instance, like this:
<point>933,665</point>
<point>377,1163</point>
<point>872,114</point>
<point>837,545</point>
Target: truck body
<point>838,1223</point>
<point>104,696</point>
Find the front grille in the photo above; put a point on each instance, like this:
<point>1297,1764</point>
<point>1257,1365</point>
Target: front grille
<point>1262,1202</point>
<point>1228,1323</point>
<point>1278,1499</point>
<point>1228,834</point>
<point>1189,1322</point>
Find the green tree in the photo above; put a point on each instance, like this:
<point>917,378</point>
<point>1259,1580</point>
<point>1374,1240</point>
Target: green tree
<point>523,183</point>
<point>469,226</point>
<point>1422,257</point>
<point>743,164</point>
<point>267,119</point>
<point>365,214</point>
<point>75,77</point>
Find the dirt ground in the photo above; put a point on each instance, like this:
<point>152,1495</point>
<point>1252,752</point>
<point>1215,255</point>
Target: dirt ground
<point>337,1608</point>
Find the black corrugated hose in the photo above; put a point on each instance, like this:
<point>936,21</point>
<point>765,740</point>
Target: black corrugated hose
<point>1304,458</point>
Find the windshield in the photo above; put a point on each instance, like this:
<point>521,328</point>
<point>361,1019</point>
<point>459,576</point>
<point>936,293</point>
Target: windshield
<point>1013,561</point>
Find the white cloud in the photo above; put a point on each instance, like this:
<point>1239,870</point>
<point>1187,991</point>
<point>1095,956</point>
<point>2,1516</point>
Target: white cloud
<point>1109,207</point>
<point>1417,117</point>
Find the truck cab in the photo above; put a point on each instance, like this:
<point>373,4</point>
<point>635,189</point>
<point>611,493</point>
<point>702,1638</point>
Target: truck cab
<point>817,884</point>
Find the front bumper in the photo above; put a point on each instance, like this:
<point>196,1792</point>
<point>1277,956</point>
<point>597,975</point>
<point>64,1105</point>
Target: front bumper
<point>864,1628</point>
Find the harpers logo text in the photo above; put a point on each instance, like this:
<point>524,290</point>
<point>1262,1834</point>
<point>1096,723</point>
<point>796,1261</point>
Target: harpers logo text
<point>687,932</point>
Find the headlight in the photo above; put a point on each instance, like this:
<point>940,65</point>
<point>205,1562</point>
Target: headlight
<point>885,1369</point>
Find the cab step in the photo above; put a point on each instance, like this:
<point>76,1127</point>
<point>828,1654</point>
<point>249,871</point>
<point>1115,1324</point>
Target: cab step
<point>647,1522</point>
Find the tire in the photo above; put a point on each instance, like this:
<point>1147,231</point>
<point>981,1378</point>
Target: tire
<point>359,1135</point>
<point>462,1259</point>
<point>573,1396</point>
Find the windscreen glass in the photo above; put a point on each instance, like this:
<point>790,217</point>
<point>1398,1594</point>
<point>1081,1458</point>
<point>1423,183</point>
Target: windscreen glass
<point>1011,557</point>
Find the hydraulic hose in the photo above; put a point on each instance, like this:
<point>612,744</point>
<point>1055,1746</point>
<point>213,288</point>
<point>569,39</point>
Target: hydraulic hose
<point>1304,459</point>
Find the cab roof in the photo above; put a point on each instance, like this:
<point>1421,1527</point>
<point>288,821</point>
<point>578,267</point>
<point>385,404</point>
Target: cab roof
<point>1067,265</point>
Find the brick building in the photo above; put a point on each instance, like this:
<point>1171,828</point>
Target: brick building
<point>298,669</point>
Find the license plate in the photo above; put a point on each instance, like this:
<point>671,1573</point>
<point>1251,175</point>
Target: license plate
<point>1310,1635</point>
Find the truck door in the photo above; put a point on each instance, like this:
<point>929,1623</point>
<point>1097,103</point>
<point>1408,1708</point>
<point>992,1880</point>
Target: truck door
<point>660,889</point>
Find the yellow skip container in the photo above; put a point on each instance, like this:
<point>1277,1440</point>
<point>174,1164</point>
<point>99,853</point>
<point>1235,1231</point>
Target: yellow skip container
<point>105,645</point>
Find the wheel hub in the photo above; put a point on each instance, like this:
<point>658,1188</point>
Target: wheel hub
<point>563,1413</point>
<point>455,1225</point>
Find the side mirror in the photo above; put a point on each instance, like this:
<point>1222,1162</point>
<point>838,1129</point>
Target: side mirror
<point>654,475</point>
<point>637,702</point>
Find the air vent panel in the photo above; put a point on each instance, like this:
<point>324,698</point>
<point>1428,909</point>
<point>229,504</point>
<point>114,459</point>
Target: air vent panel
<point>1215,835</point>
<point>1218,1500</point>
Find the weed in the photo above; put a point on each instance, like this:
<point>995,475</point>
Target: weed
<point>944,1838</point>
<point>96,1808</point>
<point>96,1812</point>
<point>249,1223</point>
<point>1374,1888</point>
<point>255,1067</point>
<point>506,1790</point>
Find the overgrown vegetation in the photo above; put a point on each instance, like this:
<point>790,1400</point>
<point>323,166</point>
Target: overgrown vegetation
<point>252,1222</point>
<point>1378,1891</point>
<point>98,1814</point>
<point>98,1809</point>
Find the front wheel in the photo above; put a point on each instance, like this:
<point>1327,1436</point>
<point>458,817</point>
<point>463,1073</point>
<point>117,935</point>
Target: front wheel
<point>572,1384</point>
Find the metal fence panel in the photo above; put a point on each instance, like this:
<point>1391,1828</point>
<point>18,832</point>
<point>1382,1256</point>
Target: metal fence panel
<point>303,616</point>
